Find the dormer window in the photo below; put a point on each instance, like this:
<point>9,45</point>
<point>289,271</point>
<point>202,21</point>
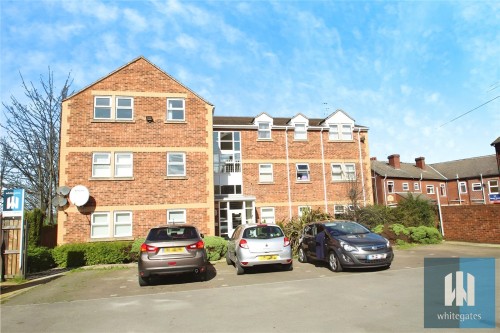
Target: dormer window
<point>300,132</point>
<point>264,132</point>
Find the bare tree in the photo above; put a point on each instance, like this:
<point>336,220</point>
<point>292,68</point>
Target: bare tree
<point>30,146</point>
<point>354,193</point>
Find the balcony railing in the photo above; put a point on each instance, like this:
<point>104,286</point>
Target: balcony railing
<point>230,166</point>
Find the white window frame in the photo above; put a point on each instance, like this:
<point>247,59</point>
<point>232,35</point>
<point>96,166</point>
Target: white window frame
<point>306,171</point>
<point>430,189</point>
<point>476,187</point>
<point>442,189</point>
<point>267,215</point>
<point>300,131</point>
<point>302,208</point>
<point>264,133</point>
<point>183,164</point>
<point>117,224</point>
<point>333,133</point>
<point>107,163</point>
<point>109,106</point>
<point>346,132</point>
<point>118,165</point>
<point>390,186</point>
<point>406,187</point>
<point>171,110</point>
<point>176,211</point>
<point>266,173</point>
<point>491,186</point>
<point>131,107</point>
<point>338,209</point>
<point>94,225</point>
<point>416,186</point>
<point>462,187</point>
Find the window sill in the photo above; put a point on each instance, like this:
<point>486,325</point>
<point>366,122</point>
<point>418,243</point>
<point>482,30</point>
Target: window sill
<point>111,239</point>
<point>299,140</point>
<point>176,178</point>
<point>343,181</point>
<point>111,178</point>
<point>336,141</point>
<point>175,122</point>
<point>303,182</point>
<point>128,121</point>
<point>265,140</point>
<point>266,183</point>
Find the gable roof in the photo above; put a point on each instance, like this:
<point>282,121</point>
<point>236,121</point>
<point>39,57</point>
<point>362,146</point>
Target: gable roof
<point>245,121</point>
<point>128,64</point>
<point>465,168</point>
<point>469,167</point>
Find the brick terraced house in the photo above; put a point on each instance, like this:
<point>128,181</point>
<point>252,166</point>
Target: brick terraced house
<point>147,151</point>
<point>462,182</point>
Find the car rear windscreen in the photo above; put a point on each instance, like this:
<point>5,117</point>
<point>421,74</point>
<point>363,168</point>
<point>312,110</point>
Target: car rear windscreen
<point>262,232</point>
<point>172,233</point>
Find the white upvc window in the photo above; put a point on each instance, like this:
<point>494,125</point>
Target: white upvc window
<point>302,171</point>
<point>390,186</point>
<point>304,209</point>
<point>102,107</point>
<point>430,189</point>
<point>442,190</point>
<point>416,186</point>
<point>333,133</point>
<point>267,215</point>
<point>99,225</point>
<point>493,186</point>
<point>265,173</point>
<point>101,165</point>
<point>343,171</point>
<point>406,187</point>
<point>176,216</point>
<point>122,226</point>
<point>124,165</point>
<point>264,131</point>
<point>176,164</point>
<point>346,132</point>
<point>462,187</point>
<point>300,132</point>
<point>338,209</point>
<point>124,108</point>
<point>476,187</point>
<point>175,109</point>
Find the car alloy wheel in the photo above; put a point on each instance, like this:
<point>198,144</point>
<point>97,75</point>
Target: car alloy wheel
<point>334,262</point>
<point>302,255</point>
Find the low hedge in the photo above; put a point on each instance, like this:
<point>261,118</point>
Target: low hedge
<point>399,234</point>
<point>86,254</point>
<point>39,259</point>
<point>216,247</point>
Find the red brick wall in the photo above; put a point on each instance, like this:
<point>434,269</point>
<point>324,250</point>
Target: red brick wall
<point>477,224</point>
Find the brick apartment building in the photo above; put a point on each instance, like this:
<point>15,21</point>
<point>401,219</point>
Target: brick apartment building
<point>461,182</point>
<point>149,151</point>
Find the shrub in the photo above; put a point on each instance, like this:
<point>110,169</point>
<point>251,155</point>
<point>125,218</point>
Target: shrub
<point>425,235</point>
<point>107,253</point>
<point>39,259</point>
<point>34,221</point>
<point>216,247</point>
<point>69,255</point>
<point>378,229</point>
<point>415,211</point>
<point>135,250</point>
<point>372,216</point>
<point>400,229</point>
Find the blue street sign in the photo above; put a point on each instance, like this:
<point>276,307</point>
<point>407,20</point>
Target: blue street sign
<point>13,202</point>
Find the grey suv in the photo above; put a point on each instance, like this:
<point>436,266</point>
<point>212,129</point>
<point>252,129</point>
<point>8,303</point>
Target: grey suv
<point>344,244</point>
<point>172,249</point>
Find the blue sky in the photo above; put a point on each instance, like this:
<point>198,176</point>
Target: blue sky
<point>403,69</point>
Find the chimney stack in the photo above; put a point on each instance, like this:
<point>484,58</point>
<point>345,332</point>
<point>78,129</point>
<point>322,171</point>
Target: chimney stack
<point>394,161</point>
<point>373,158</point>
<point>420,162</point>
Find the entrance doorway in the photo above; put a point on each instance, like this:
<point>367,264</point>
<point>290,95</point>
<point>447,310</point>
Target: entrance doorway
<point>234,213</point>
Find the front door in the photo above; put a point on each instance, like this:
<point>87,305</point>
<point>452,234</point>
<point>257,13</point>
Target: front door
<point>235,219</point>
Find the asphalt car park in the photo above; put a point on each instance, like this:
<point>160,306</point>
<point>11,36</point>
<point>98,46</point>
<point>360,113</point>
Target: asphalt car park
<point>368,300</point>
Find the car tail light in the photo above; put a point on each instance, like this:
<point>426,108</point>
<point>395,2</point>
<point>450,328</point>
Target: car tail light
<point>287,241</point>
<point>243,244</point>
<point>197,245</point>
<point>148,248</point>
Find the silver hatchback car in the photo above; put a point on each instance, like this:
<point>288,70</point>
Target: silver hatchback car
<point>258,244</point>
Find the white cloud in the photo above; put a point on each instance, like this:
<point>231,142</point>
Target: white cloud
<point>97,9</point>
<point>187,42</point>
<point>136,22</point>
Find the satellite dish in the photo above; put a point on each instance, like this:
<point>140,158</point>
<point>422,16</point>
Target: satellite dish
<point>59,201</point>
<point>63,201</point>
<point>63,190</point>
<point>79,195</point>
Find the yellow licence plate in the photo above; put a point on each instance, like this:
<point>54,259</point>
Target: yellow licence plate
<point>173,249</point>
<point>268,257</point>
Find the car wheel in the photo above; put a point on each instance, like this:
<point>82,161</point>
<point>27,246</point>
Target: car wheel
<point>239,269</point>
<point>302,255</point>
<point>334,262</point>
<point>228,260</point>
<point>288,267</point>
<point>143,281</point>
